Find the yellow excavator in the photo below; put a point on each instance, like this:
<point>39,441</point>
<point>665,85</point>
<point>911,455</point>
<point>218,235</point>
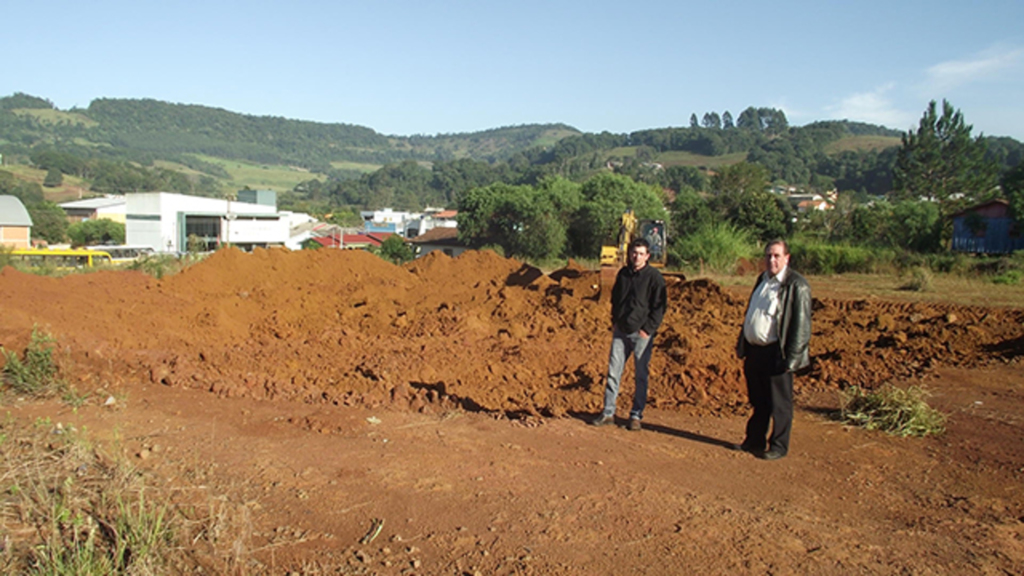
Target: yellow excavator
<point>632,227</point>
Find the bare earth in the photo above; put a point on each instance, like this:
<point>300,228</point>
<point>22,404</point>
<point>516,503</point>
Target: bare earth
<point>303,395</point>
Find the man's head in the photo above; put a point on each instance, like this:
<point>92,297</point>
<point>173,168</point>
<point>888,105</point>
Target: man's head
<point>639,253</point>
<point>776,256</point>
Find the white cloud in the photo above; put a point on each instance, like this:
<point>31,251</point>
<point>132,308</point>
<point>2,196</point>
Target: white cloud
<point>873,107</point>
<point>953,73</point>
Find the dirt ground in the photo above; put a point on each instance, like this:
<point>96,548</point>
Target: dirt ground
<point>315,391</point>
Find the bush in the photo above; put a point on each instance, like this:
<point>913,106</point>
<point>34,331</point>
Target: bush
<point>36,375</point>
<point>1011,277</point>
<point>160,265</point>
<point>812,257</point>
<point>101,231</point>
<point>949,263</point>
<point>718,247</point>
<point>920,280</point>
<point>496,248</point>
<point>395,250</point>
<point>898,411</point>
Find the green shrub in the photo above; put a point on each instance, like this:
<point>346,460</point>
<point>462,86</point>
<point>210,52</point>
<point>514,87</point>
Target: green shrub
<point>1011,277</point>
<point>37,374</point>
<point>160,265</point>
<point>898,411</point>
<point>814,257</point>
<point>496,248</point>
<point>949,263</point>
<point>717,246</point>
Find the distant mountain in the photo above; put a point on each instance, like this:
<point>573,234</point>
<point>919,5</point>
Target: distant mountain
<point>124,145</point>
<point>144,129</point>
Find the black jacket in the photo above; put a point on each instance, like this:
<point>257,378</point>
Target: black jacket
<point>638,300</point>
<point>794,321</point>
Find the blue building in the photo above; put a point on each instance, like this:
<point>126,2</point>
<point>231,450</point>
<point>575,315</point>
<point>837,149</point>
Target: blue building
<point>987,229</point>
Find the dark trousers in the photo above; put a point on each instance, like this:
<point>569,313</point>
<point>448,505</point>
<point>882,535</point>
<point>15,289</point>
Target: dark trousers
<point>770,389</point>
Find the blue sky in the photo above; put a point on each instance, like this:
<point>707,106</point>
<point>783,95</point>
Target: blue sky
<point>424,67</point>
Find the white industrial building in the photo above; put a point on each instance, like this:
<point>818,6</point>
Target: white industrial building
<point>166,221</point>
<point>110,207</point>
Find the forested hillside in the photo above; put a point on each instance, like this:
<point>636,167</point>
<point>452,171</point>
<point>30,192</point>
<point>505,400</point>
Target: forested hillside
<point>118,145</point>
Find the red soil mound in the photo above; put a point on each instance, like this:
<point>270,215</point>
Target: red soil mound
<point>480,331</point>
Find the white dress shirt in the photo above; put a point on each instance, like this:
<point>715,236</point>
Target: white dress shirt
<point>761,326</point>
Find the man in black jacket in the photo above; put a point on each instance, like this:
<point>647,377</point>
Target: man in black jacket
<point>774,343</point>
<point>638,306</point>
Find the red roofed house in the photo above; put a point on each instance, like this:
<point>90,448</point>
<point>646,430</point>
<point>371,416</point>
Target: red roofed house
<point>363,241</point>
<point>352,241</point>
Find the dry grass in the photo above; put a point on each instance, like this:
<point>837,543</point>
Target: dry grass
<point>942,288</point>
<point>864,143</point>
<point>67,510</point>
<point>897,411</point>
<point>72,189</point>
<point>66,507</point>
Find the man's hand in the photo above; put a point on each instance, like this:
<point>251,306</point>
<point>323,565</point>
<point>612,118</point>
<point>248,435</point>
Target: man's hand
<point>643,335</point>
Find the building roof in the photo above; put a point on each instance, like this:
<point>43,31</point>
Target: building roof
<point>447,214</point>
<point>372,238</point>
<point>997,202</point>
<point>326,241</point>
<point>95,203</point>
<point>13,213</point>
<point>445,236</point>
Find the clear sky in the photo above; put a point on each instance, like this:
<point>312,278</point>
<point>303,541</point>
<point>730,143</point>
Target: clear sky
<point>426,67</point>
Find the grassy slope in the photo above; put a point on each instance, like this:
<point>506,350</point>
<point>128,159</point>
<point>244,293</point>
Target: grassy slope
<point>681,158</point>
<point>48,116</point>
<point>862,143</point>
<point>260,176</point>
<point>72,188</point>
<point>366,168</point>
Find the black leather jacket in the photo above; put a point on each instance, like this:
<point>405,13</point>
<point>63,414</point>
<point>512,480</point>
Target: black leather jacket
<point>794,321</point>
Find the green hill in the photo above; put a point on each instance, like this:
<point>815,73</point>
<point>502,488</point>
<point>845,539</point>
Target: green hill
<point>126,145</point>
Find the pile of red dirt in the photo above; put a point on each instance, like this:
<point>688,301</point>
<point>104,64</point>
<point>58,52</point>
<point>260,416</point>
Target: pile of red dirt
<point>479,331</point>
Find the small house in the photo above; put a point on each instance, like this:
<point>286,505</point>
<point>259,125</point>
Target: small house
<point>443,239</point>
<point>987,229</point>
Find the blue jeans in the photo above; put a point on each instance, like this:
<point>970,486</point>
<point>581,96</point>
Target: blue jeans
<point>623,344</point>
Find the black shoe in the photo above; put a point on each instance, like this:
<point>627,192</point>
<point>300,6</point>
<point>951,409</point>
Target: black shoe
<point>742,448</point>
<point>602,421</point>
<point>772,455</point>
<point>634,425</point>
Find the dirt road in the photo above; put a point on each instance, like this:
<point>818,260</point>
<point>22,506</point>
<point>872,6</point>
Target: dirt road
<point>316,391</point>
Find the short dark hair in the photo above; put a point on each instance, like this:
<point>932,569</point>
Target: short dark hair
<point>640,242</point>
<point>774,241</point>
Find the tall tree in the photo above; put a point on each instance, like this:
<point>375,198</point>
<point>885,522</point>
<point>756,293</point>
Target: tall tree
<point>99,231</point>
<point>49,222</point>
<point>727,120</point>
<point>712,120</point>
<point>525,221</point>
<point>742,177</point>
<point>53,178</point>
<point>1013,189</point>
<point>693,121</point>
<point>943,163</point>
<point>605,198</point>
<point>741,197</point>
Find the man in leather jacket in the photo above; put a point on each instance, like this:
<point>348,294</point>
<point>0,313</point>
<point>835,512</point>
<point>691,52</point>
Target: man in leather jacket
<point>774,343</point>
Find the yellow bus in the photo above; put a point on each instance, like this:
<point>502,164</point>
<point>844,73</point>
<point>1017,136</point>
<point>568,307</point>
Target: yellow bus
<point>66,258</point>
<point>124,254</point>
